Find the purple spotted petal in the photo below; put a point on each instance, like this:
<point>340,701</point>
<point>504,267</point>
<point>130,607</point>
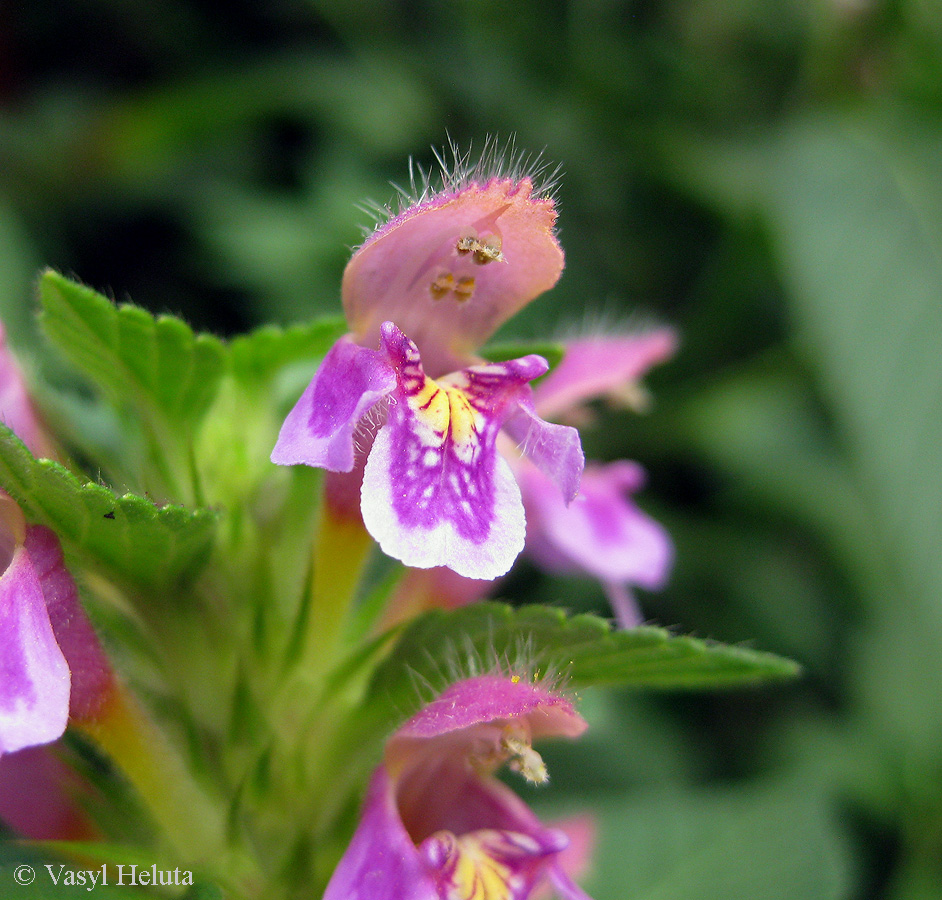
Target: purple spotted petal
<point>34,676</point>
<point>600,365</point>
<point>319,431</point>
<point>491,863</point>
<point>555,449</point>
<point>451,269</point>
<point>435,492</point>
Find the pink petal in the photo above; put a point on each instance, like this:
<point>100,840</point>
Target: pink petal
<point>381,862</point>
<point>38,797</point>
<point>319,431</point>
<point>34,676</point>
<point>555,449</point>
<point>600,365</point>
<point>413,272</point>
<point>92,676</point>
<point>602,532</point>
<point>16,408</point>
<point>494,697</point>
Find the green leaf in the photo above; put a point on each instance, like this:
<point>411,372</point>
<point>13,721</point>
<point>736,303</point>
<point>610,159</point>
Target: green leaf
<point>857,213</point>
<point>156,363</point>
<point>776,842</point>
<point>256,358</point>
<point>584,649</point>
<point>128,538</point>
<point>157,366</point>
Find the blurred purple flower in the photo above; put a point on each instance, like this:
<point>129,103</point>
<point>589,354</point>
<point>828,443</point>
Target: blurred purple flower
<point>602,532</point>
<point>437,824</point>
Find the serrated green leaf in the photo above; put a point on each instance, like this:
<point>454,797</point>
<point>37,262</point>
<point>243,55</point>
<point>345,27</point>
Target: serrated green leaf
<point>156,366</point>
<point>127,537</point>
<point>257,357</point>
<point>156,363</point>
<point>585,649</point>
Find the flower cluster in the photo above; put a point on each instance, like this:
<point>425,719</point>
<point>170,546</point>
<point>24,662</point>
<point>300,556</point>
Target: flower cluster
<point>251,632</point>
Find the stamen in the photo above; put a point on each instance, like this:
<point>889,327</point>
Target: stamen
<point>467,244</point>
<point>442,285</point>
<point>523,758</point>
<point>488,250</point>
<point>464,288</point>
<point>484,250</point>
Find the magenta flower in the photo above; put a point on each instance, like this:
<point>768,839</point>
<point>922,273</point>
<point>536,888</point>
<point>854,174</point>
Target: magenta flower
<point>602,533</point>
<point>41,798</point>
<point>427,289</point>
<point>16,407</point>
<point>51,664</point>
<point>437,824</point>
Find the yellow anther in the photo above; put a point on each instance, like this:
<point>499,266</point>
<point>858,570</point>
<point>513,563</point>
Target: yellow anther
<point>464,288</point>
<point>485,250</point>
<point>524,759</point>
<point>488,250</point>
<point>442,285</point>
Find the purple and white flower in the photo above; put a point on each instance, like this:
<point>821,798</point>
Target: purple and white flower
<point>438,825</point>
<point>602,532</point>
<point>435,491</point>
<point>421,294</point>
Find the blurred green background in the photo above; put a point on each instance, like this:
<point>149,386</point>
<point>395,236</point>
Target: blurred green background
<point>766,176</point>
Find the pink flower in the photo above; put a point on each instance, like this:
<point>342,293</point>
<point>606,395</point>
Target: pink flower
<point>454,266</point>
<point>437,824</point>
<point>421,295</point>
<point>41,798</point>
<point>16,407</point>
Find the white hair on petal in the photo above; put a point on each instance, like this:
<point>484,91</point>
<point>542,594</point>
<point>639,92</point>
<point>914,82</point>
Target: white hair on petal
<point>458,169</point>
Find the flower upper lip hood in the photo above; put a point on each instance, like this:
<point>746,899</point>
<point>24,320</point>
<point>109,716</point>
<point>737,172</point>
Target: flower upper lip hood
<point>449,270</point>
<point>437,825</point>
